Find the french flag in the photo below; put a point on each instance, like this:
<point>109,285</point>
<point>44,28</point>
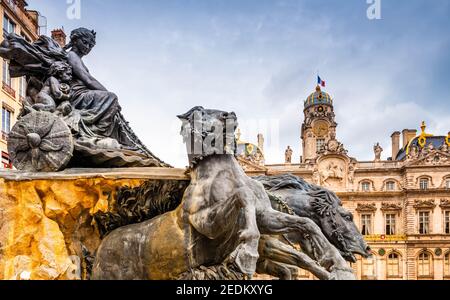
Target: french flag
<point>320,81</point>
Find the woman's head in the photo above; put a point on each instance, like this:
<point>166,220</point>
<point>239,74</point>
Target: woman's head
<point>82,40</point>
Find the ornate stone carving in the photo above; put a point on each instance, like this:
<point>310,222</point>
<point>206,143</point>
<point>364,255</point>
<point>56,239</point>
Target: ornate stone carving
<point>333,147</point>
<point>429,156</point>
<point>424,204</point>
<point>332,170</point>
<point>445,203</point>
<point>366,207</point>
<point>388,206</point>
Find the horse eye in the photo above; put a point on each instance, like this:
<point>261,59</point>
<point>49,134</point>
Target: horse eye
<point>348,218</point>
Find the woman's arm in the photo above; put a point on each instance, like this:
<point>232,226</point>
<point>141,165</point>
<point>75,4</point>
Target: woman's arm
<point>80,72</point>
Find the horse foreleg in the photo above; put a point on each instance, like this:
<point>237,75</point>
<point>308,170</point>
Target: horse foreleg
<point>275,269</point>
<point>313,241</point>
<point>237,212</point>
<point>276,251</point>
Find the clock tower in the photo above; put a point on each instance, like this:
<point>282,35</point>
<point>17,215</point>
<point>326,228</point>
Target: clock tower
<point>319,127</point>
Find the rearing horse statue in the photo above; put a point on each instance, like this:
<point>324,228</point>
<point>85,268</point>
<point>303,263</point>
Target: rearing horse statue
<point>219,222</point>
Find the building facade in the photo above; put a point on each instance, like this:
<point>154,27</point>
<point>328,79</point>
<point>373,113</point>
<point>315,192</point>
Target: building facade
<point>18,19</point>
<point>401,205</point>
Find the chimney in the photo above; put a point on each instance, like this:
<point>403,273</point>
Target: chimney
<point>395,144</point>
<point>59,36</point>
<point>408,135</point>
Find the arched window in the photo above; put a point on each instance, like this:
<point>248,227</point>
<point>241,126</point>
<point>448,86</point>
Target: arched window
<point>424,265</point>
<point>393,265</point>
<point>447,265</point>
<point>390,186</point>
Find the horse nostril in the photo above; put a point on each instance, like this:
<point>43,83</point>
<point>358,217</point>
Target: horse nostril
<point>369,250</point>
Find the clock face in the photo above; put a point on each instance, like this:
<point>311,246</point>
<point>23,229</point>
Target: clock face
<point>321,129</point>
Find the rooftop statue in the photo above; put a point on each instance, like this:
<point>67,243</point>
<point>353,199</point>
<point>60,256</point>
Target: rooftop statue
<point>69,117</point>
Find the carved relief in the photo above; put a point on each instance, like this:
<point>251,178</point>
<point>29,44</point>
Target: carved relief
<point>333,147</point>
<point>366,207</point>
<point>332,170</point>
<point>429,155</point>
<point>428,204</point>
<point>445,203</point>
<point>387,206</point>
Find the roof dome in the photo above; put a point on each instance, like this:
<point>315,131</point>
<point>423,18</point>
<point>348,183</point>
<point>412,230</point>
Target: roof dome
<point>317,98</point>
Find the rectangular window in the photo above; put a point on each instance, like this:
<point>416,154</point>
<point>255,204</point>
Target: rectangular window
<point>390,186</point>
<point>424,184</point>
<point>6,76</point>
<point>447,184</point>
<point>368,268</point>
<point>23,87</point>
<point>365,186</point>
<point>6,120</point>
<point>447,222</point>
<point>390,224</point>
<point>8,26</point>
<point>319,144</point>
<point>366,224</point>
<point>424,222</point>
<point>6,162</point>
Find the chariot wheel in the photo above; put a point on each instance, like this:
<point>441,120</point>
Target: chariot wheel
<point>40,142</point>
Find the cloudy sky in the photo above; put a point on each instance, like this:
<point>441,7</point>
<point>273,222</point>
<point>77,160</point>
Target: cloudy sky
<point>260,58</point>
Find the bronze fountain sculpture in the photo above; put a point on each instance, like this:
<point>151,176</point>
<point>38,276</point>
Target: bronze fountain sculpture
<point>219,221</point>
<point>223,225</point>
<point>69,118</point>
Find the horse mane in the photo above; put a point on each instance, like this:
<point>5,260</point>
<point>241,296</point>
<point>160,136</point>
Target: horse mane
<point>286,181</point>
<point>323,199</point>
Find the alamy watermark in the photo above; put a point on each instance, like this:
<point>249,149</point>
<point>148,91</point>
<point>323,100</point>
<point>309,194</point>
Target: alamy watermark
<point>74,9</point>
<point>374,10</point>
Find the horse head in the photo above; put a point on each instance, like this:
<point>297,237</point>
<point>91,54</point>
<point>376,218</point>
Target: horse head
<point>337,224</point>
<point>208,132</point>
<point>324,208</point>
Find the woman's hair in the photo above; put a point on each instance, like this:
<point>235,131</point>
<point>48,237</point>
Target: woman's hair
<point>79,33</point>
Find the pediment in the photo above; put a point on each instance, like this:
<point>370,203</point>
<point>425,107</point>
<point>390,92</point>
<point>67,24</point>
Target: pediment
<point>386,206</point>
<point>445,203</point>
<point>363,207</point>
<point>424,204</point>
<point>434,158</point>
